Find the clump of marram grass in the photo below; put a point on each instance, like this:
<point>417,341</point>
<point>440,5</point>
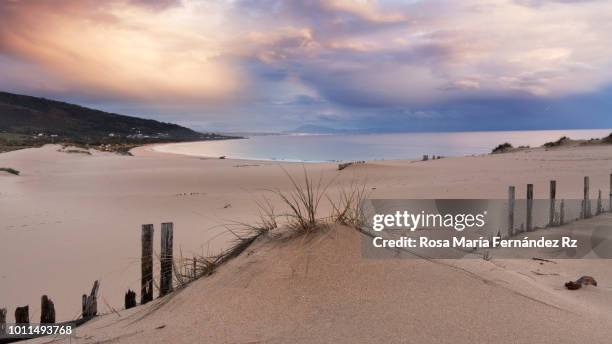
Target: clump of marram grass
<point>502,148</point>
<point>9,170</point>
<point>303,202</point>
<point>347,210</point>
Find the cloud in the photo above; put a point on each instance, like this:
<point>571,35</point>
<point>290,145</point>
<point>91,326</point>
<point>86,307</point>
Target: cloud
<point>133,49</point>
<point>284,61</point>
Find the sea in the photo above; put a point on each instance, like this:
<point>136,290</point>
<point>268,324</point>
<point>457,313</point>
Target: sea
<point>355,147</point>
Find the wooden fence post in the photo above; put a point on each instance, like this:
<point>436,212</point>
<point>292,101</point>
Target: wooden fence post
<point>562,213</point>
<point>610,196</point>
<point>2,321</point>
<point>146,266</point>
<point>599,204</point>
<point>130,299</point>
<point>511,195</point>
<point>586,204</point>
<point>47,310</point>
<point>529,224</point>
<point>22,315</point>
<point>553,195</point>
<point>195,274</point>
<point>165,279</point>
<point>90,303</point>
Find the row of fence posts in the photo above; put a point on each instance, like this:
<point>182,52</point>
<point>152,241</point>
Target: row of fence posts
<point>47,309</point>
<point>89,302</point>
<point>146,265</point>
<point>553,219</point>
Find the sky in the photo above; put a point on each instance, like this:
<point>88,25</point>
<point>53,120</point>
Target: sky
<point>274,65</point>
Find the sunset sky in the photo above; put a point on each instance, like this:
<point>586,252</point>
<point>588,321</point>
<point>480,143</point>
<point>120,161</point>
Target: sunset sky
<point>267,65</point>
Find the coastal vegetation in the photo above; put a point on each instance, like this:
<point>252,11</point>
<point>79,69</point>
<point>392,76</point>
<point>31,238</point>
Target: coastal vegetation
<point>562,141</point>
<point>32,122</point>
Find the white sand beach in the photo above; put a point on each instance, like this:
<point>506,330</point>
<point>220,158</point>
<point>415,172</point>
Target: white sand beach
<point>70,219</point>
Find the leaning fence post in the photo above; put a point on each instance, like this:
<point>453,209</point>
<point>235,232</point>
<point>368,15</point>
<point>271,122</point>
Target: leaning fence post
<point>553,195</point>
<point>146,266</point>
<point>165,279</point>
<point>529,225</point>
<point>47,310</point>
<point>511,194</point>
<point>586,205</point>
<point>22,315</point>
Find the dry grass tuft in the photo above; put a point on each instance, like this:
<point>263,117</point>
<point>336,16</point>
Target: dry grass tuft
<point>346,210</point>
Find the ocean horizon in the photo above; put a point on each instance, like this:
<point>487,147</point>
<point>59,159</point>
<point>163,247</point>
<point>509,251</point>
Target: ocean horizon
<point>371,146</point>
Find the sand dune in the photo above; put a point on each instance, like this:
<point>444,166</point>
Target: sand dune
<point>320,289</point>
<point>72,218</point>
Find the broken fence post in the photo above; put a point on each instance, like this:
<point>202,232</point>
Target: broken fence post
<point>2,321</point>
<point>130,299</point>
<point>22,315</point>
<point>528,220</point>
<point>90,303</point>
<point>511,195</point>
<point>165,279</point>
<point>146,266</point>
<point>47,310</point>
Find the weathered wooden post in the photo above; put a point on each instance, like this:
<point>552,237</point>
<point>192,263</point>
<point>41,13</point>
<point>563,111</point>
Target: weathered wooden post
<point>47,310</point>
<point>511,195</point>
<point>2,321</point>
<point>610,196</point>
<point>146,267</point>
<point>562,213</point>
<point>22,315</point>
<point>195,267</point>
<point>90,303</point>
<point>528,220</point>
<point>130,299</point>
<point>599,205</point>
<point>553,195</point>
<point>586,204</point>
<point>165,279</point>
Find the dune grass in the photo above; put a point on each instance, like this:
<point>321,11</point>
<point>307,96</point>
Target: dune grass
<point>302,217</point>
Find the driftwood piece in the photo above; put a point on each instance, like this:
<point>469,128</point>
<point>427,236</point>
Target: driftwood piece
<point>22,315</point>
<point>584,280</point>
<point>47,310</point>
<point>130,299</point>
